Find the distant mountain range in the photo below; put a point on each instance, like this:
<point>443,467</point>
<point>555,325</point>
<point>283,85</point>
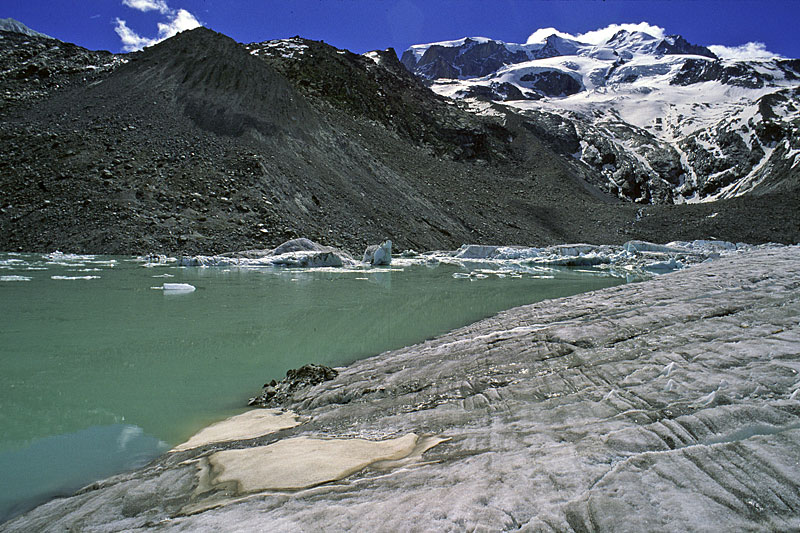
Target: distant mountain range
<point>655,119</point>
<point>200,144</point>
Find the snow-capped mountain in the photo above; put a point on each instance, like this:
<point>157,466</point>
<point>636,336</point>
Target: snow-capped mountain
<point>650,117</point>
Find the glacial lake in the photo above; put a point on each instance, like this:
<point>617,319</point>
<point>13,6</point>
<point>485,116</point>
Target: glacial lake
<point>100,372</point>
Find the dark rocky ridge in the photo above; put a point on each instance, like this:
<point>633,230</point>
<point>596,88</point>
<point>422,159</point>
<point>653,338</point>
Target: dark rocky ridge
<point>199,145</point>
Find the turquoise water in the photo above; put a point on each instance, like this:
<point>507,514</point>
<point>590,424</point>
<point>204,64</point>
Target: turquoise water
<point>100,372</point>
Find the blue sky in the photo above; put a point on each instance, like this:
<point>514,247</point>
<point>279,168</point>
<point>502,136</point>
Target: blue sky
<point>363,25</point>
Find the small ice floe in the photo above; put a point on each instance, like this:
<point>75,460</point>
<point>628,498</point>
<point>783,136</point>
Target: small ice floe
<point>471,275</point>
<point>73,278</point>
<point>163,276</point>
<point>175,288</point>
<point>15,278</point>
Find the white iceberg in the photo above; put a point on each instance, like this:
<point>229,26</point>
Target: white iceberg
<point>296,253</point>
<point>379,254</point>
<point>176,288</point>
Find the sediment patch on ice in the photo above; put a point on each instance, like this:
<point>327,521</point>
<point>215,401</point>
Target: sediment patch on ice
<point>249,425</point>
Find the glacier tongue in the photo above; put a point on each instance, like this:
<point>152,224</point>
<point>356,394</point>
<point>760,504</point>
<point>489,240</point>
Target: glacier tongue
<point>666,405</point>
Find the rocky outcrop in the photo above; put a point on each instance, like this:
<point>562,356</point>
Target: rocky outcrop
<point>277,393</point>
<point>677,45</point>
<point>473,58</point>
<point>35,65</point>
<point>552,83</point>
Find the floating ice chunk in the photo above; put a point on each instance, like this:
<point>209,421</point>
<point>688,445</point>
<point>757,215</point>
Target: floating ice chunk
<point>511,252</point>
<point>379,254</point>
<point>176,287</point>
<point>475,251</point>
<point>299,245</point>
<point>572,250</point>
<point>308,259</point>
<point>15,278</point>
<point>74,277</point>
<point>642,246</point>
<point>298,253</point>
<point>471,275</point>
<point>60,256</point>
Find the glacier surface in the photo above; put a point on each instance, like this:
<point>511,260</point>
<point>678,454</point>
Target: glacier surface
<point>666,405</point>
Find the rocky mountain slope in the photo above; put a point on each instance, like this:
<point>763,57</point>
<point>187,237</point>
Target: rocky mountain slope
<point>203,145</point>
<point>653,119</point>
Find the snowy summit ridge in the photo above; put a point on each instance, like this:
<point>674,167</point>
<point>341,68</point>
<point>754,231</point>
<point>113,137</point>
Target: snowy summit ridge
<point>652,117</point>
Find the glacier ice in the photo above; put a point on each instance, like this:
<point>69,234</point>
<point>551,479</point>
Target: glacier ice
<point>176,288</point>
<point>296,253</point>
<point>642,407</point>
<point>378,254</point>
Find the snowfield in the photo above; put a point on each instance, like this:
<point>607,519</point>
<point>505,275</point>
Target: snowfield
<point>672,122</point>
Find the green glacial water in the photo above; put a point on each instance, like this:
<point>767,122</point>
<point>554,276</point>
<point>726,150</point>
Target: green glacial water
<point>100,373</point>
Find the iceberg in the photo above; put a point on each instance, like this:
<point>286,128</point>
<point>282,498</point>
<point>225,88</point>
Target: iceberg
<point>15,278</point>
<point>644,258</point>
<point>176,287</point>
<point>296,253</point>
<point>379,254</point>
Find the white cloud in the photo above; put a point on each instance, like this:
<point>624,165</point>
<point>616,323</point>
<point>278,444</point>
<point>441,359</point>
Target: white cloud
<point>148,5</point>
<point>597,36</point>
<point>746,51</point>
<point>131,41</point>
<point>178,20</point>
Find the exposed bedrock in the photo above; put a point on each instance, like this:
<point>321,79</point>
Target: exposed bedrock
<point>665,405</point>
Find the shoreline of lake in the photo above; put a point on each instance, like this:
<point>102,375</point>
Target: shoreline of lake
<point>666,404</point>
